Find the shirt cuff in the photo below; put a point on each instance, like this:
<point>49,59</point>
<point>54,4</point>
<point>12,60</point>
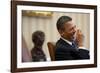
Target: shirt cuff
<point>81,47</point>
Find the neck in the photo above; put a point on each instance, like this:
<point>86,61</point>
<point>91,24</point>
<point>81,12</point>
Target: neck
<point>67,39</point>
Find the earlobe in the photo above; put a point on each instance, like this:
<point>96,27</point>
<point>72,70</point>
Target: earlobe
<point>61,32</point>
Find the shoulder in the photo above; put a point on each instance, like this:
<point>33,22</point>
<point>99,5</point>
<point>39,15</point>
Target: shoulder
<point>62,46</point>
<point>61,43</point>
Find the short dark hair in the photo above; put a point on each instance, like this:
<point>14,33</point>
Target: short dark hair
<point>38,38</point>
<point>61,21</point>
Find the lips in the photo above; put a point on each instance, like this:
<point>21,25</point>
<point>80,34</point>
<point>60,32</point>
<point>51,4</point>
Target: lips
<point>73,35</point>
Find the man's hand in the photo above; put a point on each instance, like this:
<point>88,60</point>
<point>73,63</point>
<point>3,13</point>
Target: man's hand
<point>79,38</point>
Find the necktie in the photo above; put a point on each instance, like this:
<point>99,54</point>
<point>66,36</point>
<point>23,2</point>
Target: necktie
<point>74,45</point>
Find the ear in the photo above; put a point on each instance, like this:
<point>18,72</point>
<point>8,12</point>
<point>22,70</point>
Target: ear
<point>61,32</point>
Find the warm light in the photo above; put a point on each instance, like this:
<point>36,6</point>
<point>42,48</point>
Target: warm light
<point>37,13</point>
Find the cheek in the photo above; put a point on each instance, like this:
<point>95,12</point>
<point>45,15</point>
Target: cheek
<point>68,34</point>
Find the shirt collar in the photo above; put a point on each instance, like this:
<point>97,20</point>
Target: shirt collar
<point>66,41</point>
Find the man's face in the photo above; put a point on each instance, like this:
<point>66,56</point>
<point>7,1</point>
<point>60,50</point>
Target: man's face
<point>69,31</point>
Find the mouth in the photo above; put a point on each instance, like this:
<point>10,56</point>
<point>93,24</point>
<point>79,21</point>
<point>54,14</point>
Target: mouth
<point>73,36</point>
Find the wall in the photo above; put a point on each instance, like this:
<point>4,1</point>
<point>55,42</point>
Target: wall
<point>5,29</point>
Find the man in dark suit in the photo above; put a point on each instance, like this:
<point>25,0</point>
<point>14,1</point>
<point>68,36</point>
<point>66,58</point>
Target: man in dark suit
<point>70,45</point>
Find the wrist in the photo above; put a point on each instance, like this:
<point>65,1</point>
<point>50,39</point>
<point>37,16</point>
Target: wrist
<point>80,45</point>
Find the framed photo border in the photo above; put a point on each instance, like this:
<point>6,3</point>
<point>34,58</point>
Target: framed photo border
<point>14,35</point>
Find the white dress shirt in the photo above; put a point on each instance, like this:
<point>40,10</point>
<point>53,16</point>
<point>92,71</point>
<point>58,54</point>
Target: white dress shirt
<point>70,43</point>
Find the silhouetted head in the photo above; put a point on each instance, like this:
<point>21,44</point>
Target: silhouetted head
<point>38,38</point>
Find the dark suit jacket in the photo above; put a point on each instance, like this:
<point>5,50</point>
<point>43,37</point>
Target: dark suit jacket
<point>65,51</point>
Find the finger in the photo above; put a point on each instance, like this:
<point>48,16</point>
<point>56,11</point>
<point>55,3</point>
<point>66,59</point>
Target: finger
<point>80,32</point>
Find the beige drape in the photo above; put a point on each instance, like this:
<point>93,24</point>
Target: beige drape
<point>26,54</point>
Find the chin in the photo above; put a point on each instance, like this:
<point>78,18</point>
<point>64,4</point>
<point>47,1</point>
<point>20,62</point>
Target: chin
<point>73,39</point>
